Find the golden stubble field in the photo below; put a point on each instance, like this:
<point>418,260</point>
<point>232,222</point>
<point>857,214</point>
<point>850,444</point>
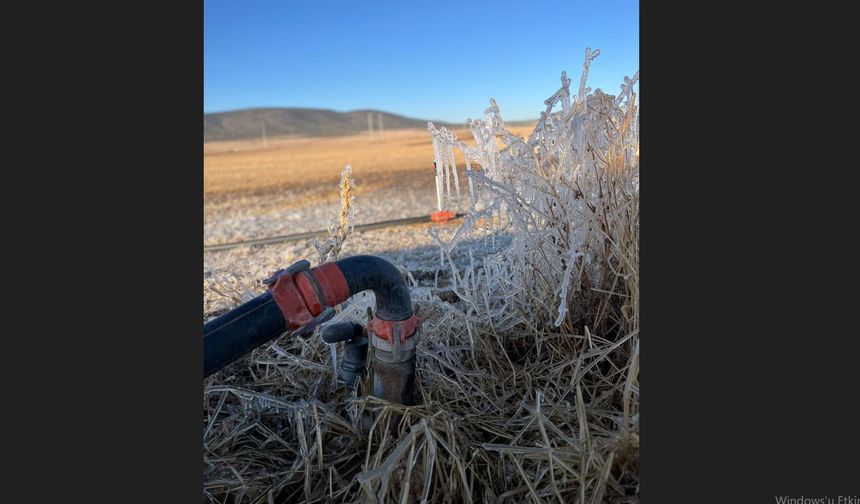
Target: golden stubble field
<point>245,168</point>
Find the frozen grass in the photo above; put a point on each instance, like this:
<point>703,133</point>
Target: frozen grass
<point>528,359</point>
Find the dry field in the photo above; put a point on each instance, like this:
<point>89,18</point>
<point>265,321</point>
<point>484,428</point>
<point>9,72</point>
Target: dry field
<point>245,167</point>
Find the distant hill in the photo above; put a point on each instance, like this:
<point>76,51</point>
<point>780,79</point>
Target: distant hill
<point>247,123</point>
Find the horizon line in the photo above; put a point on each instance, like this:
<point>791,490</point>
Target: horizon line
<point>255,107</point>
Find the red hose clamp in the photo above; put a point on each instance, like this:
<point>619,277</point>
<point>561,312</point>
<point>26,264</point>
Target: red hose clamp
<point>384,329</point>
<point>323,286</point>
<point>306,296</point>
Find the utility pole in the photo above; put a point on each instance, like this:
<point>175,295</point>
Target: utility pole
<point>370,125</point>
<point>381,131</point>
<point>265,138</point>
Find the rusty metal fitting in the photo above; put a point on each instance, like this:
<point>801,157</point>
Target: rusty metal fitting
<point>394,365</point>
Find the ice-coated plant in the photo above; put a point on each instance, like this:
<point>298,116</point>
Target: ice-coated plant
<point>569,196</point>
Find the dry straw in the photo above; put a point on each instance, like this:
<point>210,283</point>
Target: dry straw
<point>330,249</point>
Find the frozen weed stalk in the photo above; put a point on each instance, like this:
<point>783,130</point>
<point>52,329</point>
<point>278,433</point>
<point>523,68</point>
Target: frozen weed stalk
<point>526,376</point>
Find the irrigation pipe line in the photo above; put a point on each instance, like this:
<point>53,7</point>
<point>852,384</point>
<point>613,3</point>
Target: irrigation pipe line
<point>314,234</point>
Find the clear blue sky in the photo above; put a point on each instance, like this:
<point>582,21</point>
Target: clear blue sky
<point>431,60</point>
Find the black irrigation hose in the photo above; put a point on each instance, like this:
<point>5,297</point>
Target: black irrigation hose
<point>313,234</point>
<point>237,332</point>
<point>260,320</point>
<point>366,272</point>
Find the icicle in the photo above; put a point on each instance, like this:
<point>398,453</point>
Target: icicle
<point>447,171</point>
<point>472,193</point>
<point>333,347</point>
<point>436,161</point>
<point>453,165</point>
<point>562,306</point>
